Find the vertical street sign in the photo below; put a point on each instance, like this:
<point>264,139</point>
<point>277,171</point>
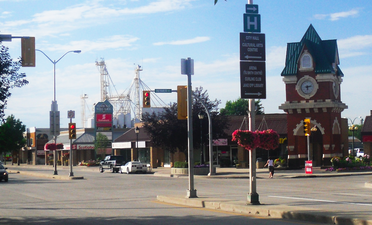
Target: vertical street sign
<point>252,22</point>
<point>252,46</point>
<point>253,80</point>
<point>251,8</point>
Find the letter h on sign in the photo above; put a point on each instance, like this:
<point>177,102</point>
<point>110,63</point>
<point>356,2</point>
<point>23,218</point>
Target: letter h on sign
<point>252,22</point>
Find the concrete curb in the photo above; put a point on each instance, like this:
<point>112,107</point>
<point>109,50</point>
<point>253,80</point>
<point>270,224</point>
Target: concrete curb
<point>272,211</point>
<point>43,175</point>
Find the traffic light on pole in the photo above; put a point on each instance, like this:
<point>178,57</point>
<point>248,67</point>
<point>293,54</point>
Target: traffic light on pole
<point>182,102</point>
<point>28,51</point>
<point>307,130</point>
<point>72,130</point>
<point>146,100</point>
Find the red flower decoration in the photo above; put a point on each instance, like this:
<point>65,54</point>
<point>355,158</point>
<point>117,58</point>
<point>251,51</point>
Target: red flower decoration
<point>245,138</point>
<point>269,139</point>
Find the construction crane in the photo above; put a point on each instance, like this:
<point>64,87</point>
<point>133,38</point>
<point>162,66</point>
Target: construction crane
<point>129,100</point>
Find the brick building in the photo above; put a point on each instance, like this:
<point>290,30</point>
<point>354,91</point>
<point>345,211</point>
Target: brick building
<point>313,81</point>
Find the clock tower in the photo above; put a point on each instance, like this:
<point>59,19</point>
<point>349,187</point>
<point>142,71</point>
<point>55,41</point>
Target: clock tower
<point>313,78</point>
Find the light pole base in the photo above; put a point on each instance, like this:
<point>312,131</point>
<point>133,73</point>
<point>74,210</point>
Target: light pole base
<point>55,172</point>
<point>71,174</point>
<point>191,194</point>
<point>253,199</point>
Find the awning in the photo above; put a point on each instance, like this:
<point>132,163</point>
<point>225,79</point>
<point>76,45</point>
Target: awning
<point>52,146</point>
<point>367,138</point>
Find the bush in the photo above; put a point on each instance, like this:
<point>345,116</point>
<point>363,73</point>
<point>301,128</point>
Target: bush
<point>180,164</point>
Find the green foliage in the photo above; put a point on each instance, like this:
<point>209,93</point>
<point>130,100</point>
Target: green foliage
<point>181,164</point>
<point>11,135</point>
<point>215,1</point>
<point>240,108</point>
<point>9,78</point>
<point>101,144</point>
<point>167,132</point>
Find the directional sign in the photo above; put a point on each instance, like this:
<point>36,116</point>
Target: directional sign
<point>251,8</point>
<point>253,80</point>
<point>252,46</point>
<point>163,90</point>
<point>252,22</point>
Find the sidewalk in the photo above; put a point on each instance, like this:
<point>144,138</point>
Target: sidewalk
<point>279,211</point>
<point>63,172</point>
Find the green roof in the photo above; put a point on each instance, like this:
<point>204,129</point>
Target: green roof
<point>324,53</point>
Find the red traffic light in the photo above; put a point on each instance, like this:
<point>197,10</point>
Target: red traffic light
<point>147,94</point>
<point>72,126</point>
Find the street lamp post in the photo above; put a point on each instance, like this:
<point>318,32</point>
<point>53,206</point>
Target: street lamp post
<point>137,130</point>
<point>54,103</point>
<point>353,128</point>
<point>201,117</point>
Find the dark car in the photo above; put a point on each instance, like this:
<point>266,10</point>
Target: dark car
<point>3,173</point>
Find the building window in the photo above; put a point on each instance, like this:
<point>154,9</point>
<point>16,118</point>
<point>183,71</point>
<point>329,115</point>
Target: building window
<point>306,61</point>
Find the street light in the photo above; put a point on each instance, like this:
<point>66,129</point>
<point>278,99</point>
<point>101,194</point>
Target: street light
<point>353,128</point>
<point>201,117</point>
<point>137,130</point>
<point>54,103</point>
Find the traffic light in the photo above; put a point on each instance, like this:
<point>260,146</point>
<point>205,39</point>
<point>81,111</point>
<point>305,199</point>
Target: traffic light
<point>146,100</point>
<point>307,130</point>
<point>28,51</point>
<point>182,102</point>
<point>72,131</point>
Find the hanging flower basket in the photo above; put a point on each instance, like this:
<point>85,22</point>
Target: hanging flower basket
<point>245,138</point>
<point>269,139</point>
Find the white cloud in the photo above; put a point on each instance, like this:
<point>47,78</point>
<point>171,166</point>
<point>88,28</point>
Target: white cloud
<point>276,57</point>
<point>53,22</point>
<point>337,16</point>
<point>185,42</point>
<point>355,46</point>
<point>112,42</point>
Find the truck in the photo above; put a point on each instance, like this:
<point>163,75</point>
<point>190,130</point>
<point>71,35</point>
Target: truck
<point>112,163</point>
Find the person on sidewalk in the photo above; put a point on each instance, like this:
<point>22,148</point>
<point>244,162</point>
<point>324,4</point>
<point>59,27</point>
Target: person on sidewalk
<point>270,164</point>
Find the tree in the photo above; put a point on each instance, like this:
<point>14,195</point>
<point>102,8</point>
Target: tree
<point>240,108</point>
<point>215,1</point>
<point>11,135</point>
<point>169,133</point>
<point>9,78</point>
<point>101,144</point>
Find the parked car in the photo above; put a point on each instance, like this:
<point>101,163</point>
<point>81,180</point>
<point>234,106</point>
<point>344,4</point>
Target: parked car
<point>133,167</point>
<point>3,173</point>
<point>112,163</point>
<point>359,152</point>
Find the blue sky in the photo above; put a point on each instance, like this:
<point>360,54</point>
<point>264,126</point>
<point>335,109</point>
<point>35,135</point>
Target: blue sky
<point>157,34</point>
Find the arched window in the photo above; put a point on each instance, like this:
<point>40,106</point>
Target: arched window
<point>306,61</point>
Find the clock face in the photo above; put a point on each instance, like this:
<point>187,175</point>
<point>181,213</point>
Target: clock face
<point>307,87</point>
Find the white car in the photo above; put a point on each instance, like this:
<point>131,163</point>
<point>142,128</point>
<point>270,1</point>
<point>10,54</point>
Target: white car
<point>133,167</point>
<point>359,152</point>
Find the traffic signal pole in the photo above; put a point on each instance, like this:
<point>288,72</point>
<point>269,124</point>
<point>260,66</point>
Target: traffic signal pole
<point>187,67</point>
<point>71,157</point>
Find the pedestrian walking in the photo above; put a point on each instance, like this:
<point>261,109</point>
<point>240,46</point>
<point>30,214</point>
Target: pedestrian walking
<point>270,164</point>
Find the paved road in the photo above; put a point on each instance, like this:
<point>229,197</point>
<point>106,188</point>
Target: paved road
<point>107,198</point>
<point>99,195</point>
